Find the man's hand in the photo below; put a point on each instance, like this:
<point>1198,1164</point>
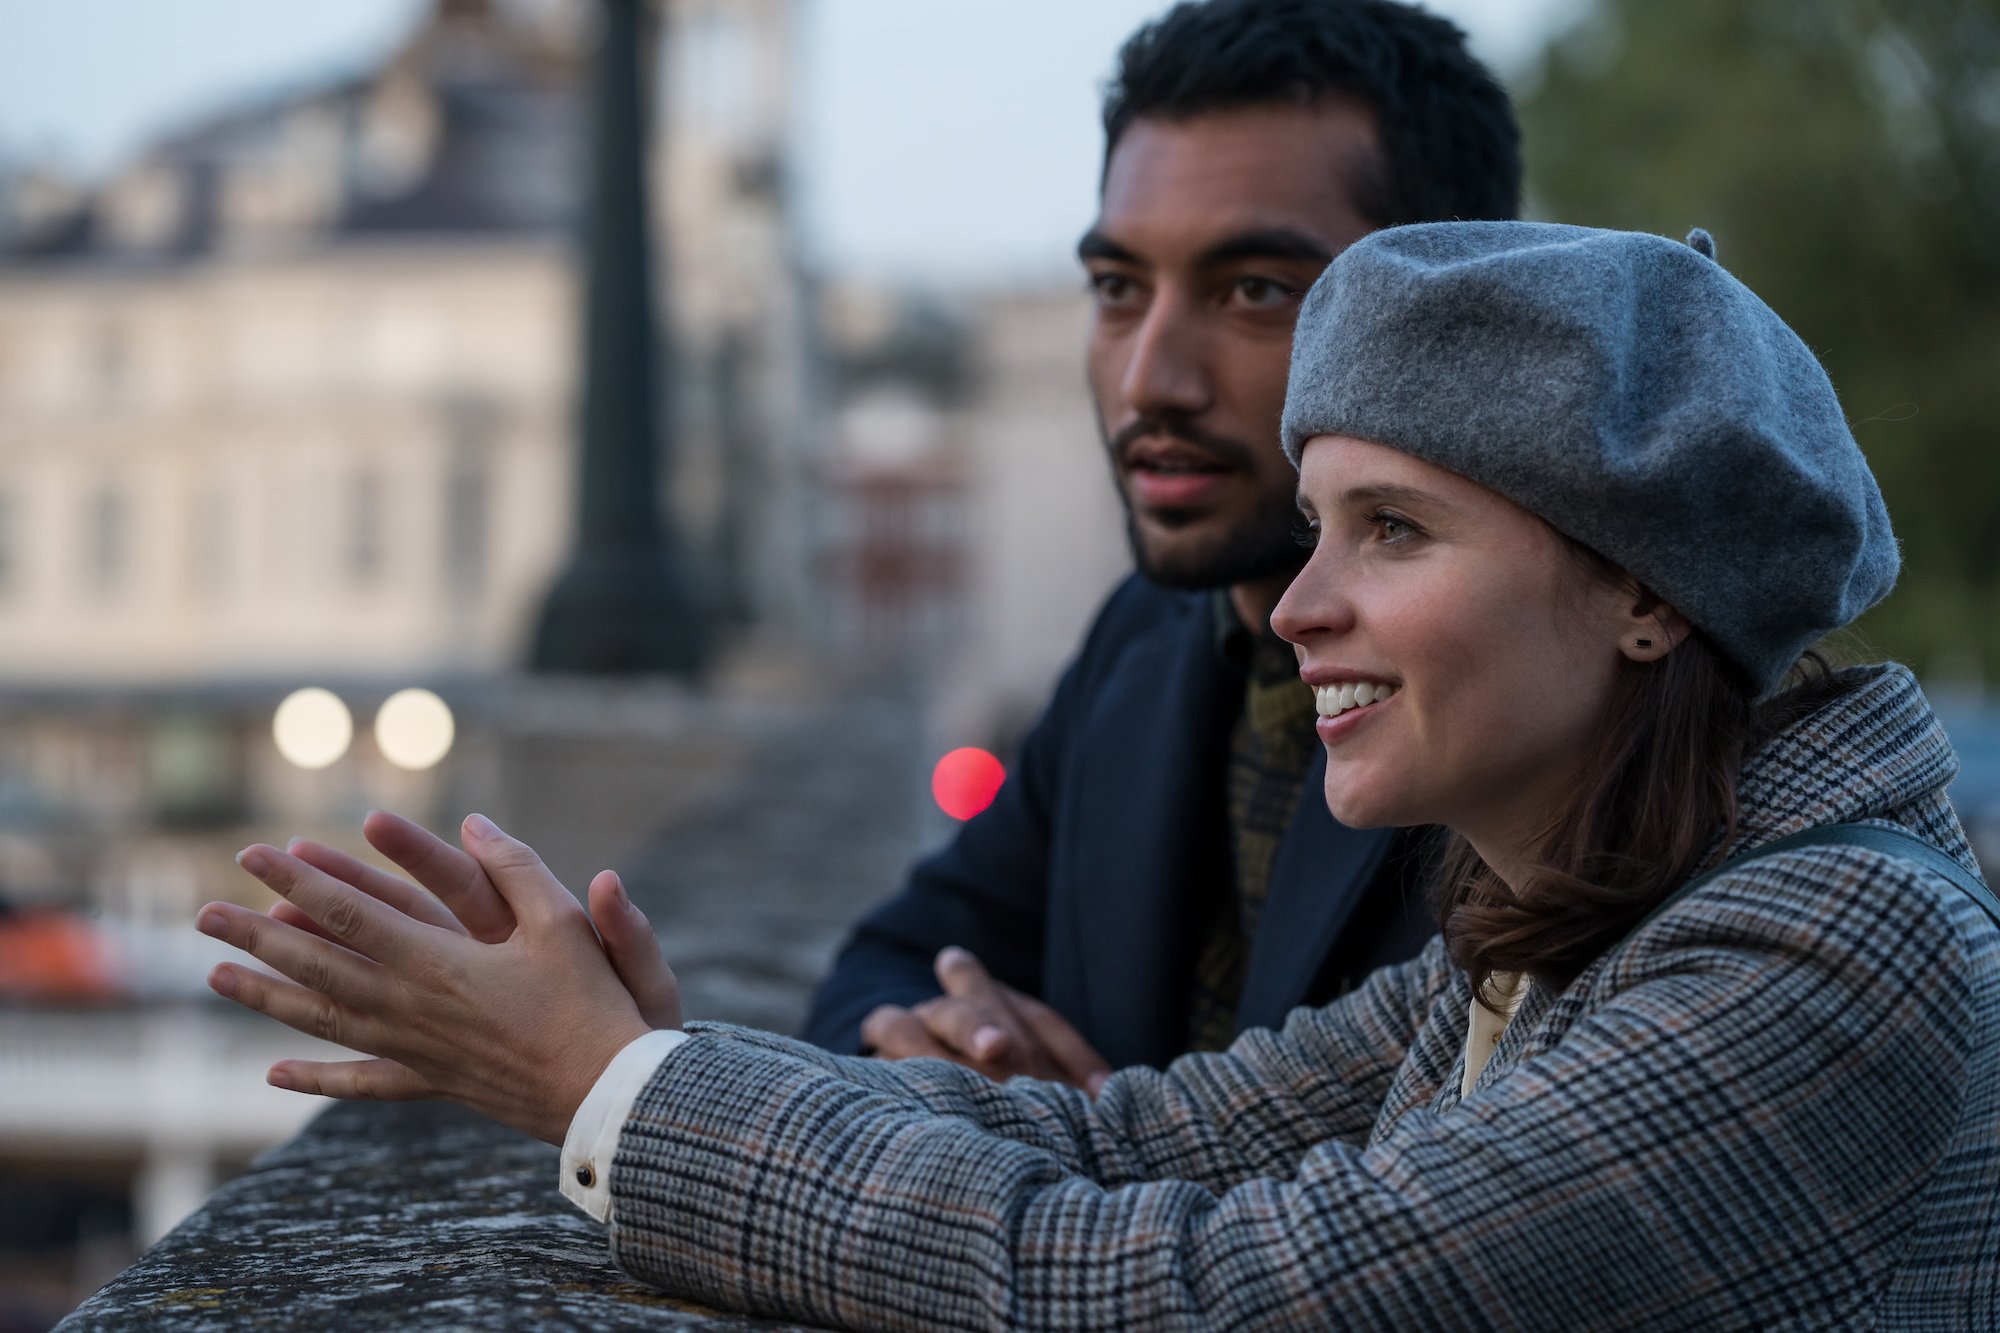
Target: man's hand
<point>990,1027</point>
<point>518,1030</point>
<point>462,899</point>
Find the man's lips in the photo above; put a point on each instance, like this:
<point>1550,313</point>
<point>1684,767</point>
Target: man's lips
<point>1169,475</point>
<point>1157,489</point>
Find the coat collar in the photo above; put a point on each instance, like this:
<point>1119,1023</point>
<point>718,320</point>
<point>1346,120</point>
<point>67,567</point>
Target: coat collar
<point>1147,783</point>
<point>1878,735</point>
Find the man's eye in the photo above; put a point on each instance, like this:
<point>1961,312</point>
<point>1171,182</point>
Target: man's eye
<point>1112,288</point>
<point>1263,293</point>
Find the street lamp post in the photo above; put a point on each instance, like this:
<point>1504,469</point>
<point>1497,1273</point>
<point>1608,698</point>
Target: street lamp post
<point>625,603</point>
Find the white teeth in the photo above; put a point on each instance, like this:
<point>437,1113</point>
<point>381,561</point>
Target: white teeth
<point>1333,700</point>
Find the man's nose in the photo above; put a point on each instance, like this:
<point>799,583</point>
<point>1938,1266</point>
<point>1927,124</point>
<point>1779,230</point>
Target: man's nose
<point>1168,368</point>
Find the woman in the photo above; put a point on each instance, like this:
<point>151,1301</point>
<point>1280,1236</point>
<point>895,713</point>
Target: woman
<point>1579,501</point>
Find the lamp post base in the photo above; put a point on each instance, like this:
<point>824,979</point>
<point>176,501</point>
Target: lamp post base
<point>621,613</point>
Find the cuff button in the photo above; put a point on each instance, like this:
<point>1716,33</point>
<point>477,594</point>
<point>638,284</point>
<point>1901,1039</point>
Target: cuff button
<point>585,1177</point>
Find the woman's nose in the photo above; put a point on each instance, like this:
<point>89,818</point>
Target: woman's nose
<point>1312,606</point>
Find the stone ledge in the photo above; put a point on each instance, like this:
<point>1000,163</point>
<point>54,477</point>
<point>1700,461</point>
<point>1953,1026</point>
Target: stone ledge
<point>391,1217</point>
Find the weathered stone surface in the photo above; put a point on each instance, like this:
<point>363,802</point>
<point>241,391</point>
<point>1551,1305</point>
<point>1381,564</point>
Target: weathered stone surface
<point>391,1217</point>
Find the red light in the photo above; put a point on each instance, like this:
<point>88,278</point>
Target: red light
<point>966,781</point>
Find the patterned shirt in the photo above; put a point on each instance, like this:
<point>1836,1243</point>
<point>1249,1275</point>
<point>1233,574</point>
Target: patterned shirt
<point>1270,748</point>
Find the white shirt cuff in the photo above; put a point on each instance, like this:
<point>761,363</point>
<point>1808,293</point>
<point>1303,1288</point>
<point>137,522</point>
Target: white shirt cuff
<point>593,1134</point>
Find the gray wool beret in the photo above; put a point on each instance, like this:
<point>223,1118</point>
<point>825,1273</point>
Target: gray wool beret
<point>1626,389</point>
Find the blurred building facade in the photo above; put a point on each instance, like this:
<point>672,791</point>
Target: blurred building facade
<point>289,399</point>
<point>294,389</point>
<point>970,422</point>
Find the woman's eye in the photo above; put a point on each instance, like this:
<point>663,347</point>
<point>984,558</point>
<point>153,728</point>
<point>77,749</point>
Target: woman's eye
<point>1393,528</point>
<point>1305,532</point>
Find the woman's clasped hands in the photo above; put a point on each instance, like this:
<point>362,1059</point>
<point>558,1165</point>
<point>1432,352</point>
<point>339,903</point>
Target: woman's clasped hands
<point>494,989</point>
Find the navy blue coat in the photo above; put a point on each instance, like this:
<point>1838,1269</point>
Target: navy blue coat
<point>1083,882</point>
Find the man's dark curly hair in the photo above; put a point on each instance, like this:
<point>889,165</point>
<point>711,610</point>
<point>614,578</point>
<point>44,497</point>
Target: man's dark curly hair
<point>1450,148</point>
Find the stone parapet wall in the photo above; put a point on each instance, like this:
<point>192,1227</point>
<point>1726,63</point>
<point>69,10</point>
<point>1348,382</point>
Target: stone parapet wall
<point>391,1217</point>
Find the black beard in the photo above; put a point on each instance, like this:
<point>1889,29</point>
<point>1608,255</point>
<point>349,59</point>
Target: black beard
<point>1259,546</point>
<point>1247,553</point>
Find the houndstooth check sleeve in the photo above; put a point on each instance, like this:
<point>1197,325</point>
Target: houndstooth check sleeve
<point>1679,1158</point>
<point>1249,1112</point>
<point>588,1148</point>
<point>1332,1101</point>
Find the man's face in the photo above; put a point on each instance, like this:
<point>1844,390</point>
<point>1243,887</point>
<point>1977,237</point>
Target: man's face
<point>1209,233</point>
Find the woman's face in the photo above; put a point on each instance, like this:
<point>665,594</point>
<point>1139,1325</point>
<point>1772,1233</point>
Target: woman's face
<point>1495,649</point>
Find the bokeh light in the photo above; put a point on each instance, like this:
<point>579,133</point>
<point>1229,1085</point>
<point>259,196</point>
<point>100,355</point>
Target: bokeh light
<point>966,781</point>
<point>312,727</point>
<point>414,729</point>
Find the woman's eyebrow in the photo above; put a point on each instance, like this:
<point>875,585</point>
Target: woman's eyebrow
<point>1391,493</point>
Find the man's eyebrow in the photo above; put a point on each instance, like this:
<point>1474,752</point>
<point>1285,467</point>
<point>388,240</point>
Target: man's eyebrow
<point>1096,245</point>
<point>1258,243</point>
<point>1267,243</point>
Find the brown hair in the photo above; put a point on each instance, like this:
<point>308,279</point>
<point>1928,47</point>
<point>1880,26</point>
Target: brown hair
<point>1655,796</point>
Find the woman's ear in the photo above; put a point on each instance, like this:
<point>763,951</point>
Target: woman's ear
<point>1650,629</point>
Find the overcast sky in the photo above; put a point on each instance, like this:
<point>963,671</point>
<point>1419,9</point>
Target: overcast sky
<point>940,140</point>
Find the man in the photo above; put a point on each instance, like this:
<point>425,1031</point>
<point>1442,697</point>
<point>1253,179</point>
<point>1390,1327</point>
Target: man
<point>1160,871</point>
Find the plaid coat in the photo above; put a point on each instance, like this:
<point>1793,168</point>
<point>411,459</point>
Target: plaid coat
<point>1777,1105</point>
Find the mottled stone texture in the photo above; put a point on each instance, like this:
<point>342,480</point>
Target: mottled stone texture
<point>391,1217</point>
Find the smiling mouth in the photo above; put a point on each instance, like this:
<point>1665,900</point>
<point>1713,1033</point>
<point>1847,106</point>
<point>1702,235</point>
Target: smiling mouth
<point>1333,700</point>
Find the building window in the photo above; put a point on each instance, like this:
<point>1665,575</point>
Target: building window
<point>108,540</point>
<point>193,771</point>
<point>366,532</point>
<point>210,545</point>
<point>470,427</point>
<point>111,364</point>
<point>715,75</point>
<point>10,544</point>
<point>465,521</point>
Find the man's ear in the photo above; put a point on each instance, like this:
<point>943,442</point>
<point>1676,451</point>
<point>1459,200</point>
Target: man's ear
<point>1650,629</point>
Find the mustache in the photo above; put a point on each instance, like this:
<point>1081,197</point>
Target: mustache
<point>1223,449</point>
